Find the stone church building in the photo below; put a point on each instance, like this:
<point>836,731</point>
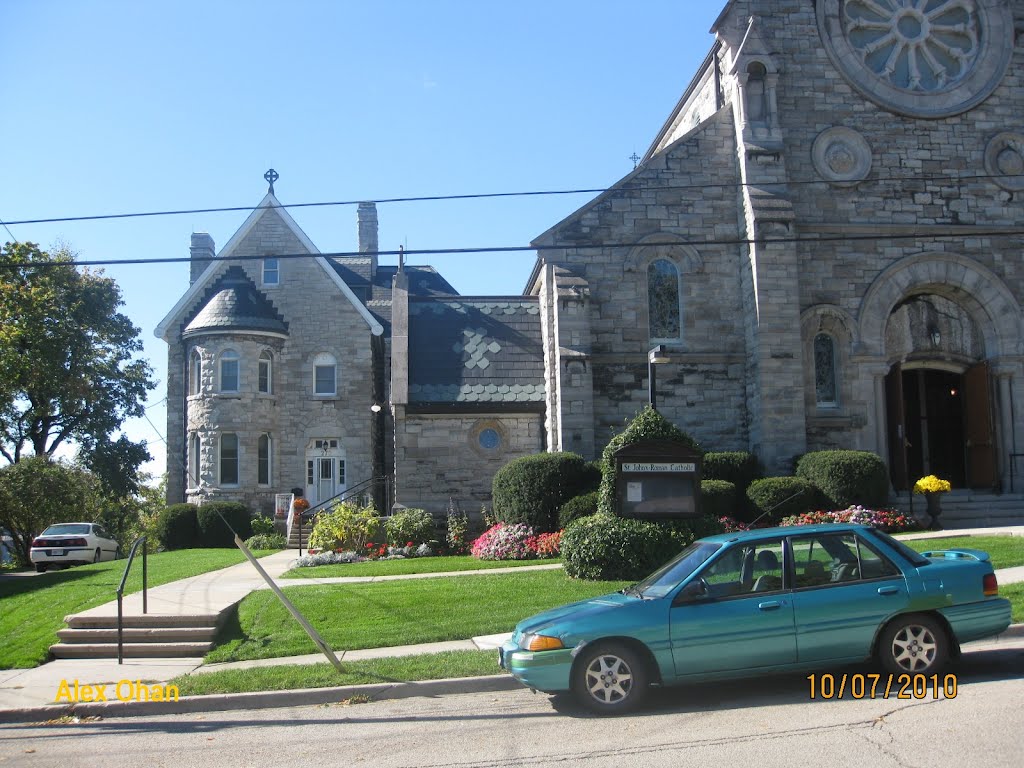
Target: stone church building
<point>825,237</point>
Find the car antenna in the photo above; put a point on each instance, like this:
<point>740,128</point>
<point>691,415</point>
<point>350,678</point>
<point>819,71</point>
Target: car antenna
<point>768,512</point>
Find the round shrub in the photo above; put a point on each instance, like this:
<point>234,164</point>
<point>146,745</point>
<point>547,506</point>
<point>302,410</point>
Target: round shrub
<point>405,525</point>
<point>717,498</point>
<point>606,547</point>
<point>212,530</point>
<point>531,489</point>
<point>774,498</point>
<point>737,467</point>
<point>266,541</point>
<point>262,524</point>
<point>575,508</point>
<point>177,527</point>
<point>846,478</point>
<point>347,527</point>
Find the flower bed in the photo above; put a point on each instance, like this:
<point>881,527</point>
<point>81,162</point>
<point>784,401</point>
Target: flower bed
<point>889,520</point>
<point>515,542</point>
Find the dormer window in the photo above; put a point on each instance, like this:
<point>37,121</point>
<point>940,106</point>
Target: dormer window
<point>271,271</point>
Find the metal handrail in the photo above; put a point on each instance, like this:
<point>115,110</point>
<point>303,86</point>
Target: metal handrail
<point>120,594</point>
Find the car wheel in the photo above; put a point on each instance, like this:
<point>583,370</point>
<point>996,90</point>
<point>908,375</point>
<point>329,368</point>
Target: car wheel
<point>610,679</point>
<point>913,644</point>
<point>96,556</point>
<point>40,568</point>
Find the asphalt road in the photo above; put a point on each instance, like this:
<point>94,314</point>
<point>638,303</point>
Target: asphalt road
<point>762,722</point>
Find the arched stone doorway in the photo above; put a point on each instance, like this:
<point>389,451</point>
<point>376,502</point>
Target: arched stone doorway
<point>946,332</point>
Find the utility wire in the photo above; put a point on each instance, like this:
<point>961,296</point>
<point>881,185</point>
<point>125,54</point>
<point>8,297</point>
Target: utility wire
<point>1000,233</point>
<point>13,238</point>
<point>624,186</point>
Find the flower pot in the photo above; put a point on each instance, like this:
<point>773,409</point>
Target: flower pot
<point>934,504</point>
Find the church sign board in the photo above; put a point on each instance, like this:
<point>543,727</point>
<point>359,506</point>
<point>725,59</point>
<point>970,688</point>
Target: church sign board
<point>657,479</point>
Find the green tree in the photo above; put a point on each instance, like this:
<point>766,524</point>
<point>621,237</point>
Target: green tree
<point>37,492</point>
<point>68,367</point>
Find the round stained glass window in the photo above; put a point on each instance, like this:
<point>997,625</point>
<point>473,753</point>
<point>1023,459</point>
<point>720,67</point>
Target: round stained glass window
<point>489,439</point>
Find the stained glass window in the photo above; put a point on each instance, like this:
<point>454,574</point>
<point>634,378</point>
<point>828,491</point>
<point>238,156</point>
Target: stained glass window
<point>825,386</point>
<point>663,305</point>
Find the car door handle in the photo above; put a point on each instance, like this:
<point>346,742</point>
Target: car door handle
<point>770,605</point>
<point>888,590</point>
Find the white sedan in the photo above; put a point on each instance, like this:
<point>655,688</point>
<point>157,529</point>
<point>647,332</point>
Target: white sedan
<point>72,543</point>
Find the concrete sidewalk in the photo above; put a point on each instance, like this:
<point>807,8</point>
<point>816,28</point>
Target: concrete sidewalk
<point>218,591</point>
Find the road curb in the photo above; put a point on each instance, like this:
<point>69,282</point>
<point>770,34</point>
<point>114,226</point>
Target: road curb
<point>264,699</point>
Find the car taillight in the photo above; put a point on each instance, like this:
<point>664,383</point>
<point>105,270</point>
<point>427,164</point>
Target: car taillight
<point>77,543</point>
<point>990,585</point>
<point>38,543</point>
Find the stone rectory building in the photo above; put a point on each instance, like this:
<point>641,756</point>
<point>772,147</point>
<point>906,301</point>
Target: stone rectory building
<point>825,235</point>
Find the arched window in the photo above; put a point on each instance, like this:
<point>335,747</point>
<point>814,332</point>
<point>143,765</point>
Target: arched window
<point>664,305</point>
<point>266,383</point>
<point>263,459</point>
<point>229,371</point>
<point>325,374</point>
<point>193,461</point>
<point>229,459</point>
<point>195,373</point>
<point>757,108</point>
<point>826,389</point>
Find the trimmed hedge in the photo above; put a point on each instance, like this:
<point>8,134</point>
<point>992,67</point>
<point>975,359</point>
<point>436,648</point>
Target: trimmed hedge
<point>607,547</point>
<point>846,478</point>
<point>737,467</point>
<point>717,498</point>
<point>177,526</point>
<point>213,532</point>
<point>648,425</point>
<point>532,489</point>
<point>770,498</point>
<point>577,507</point>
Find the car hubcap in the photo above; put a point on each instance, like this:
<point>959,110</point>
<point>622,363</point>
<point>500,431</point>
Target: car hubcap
<point>609,679</point>
<point>914,648</point>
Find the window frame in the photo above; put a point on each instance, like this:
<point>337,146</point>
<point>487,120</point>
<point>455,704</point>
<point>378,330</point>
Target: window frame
<point>275,271</point>
<point>834,363</point>
<point>265,384</point>
<point>194,449</point>
<point>229,356</point>
<point>222,458</point>
<point>325,360</point>
<point>264,459</point>
<point>195,372</point>
<point>651,267</point>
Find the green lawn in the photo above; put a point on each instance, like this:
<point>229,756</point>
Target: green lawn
<point>34,607</point>
<point>408,565</point>
<point>429,666</point>
<point>381,614</point>
<point>1005,551</point>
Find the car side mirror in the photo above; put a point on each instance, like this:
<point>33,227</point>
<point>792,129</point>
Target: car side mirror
<point>695,590</point>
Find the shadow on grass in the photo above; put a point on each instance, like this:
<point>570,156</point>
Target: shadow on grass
<point>12,586</point>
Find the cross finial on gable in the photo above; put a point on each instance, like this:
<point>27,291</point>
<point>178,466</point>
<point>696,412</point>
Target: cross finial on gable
<point>635,158</point>
<point>271,176</point>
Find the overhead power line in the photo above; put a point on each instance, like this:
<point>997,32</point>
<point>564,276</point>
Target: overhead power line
<point>525,248</point>
<point>624,187</point>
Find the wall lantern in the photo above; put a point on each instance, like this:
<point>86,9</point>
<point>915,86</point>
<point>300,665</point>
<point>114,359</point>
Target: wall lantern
<point>656,356</point>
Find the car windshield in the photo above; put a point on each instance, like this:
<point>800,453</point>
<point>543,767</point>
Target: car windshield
<point>669,576</point>
<point>67,529</point>
<point>916,558</point>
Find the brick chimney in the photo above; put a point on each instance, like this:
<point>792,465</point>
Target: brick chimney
<point>368,234</point>
<point>202,248</point>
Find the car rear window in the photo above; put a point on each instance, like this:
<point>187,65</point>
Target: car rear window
<point>67,529</point>
<point>916,558</point>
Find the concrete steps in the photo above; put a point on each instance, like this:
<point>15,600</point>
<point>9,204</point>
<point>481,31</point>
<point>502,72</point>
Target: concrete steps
<point>147,635</point>
<point>968,509</point>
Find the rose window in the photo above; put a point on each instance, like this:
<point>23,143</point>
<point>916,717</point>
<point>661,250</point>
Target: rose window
<point>919,45</point>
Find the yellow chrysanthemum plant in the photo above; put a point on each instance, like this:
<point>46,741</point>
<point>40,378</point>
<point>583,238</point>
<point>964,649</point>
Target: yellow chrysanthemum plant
<point>932,484</point>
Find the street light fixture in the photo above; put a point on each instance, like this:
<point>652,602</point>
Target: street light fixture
<point>656,356</point>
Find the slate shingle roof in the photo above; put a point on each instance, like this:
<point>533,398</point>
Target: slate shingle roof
<point>234,303</point>
<point>472,350</point>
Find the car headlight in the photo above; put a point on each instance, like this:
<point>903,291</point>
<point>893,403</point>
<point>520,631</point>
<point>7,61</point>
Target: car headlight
<point>540,643</point>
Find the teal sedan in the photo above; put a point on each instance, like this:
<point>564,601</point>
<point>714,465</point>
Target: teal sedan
<point>759,602</point>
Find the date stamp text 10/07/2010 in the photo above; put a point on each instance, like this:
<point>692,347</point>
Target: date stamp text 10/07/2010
<point>879,686</point>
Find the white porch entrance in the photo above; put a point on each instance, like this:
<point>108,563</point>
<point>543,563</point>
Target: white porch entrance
<point>325,470</point>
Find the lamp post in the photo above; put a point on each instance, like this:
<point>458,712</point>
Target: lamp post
<point>656,356</point>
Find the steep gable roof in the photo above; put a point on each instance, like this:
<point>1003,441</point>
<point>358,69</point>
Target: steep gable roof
<point>269,204</point>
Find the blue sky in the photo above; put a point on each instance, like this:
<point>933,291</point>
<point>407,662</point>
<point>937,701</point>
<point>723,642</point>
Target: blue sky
<point>114,107</point>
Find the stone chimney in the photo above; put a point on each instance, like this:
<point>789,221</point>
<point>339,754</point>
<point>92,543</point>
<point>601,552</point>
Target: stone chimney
<point>368,234</point>
<point>201,251</point>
